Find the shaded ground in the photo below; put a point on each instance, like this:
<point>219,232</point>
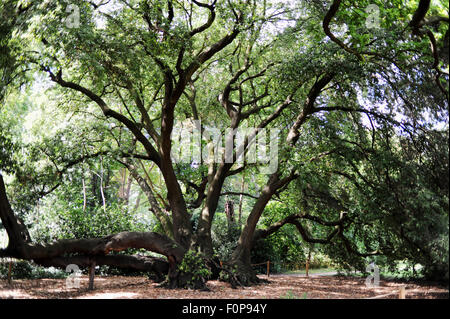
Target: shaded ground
<point>279,286</point>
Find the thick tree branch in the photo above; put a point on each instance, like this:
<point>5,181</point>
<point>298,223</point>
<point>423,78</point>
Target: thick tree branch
<point>211,17</point>
<point>419,15</point>
<point>308,107</point>
<point>294,220</point>
<point>140,263</point>
<point>326,27</point>
<point>238,194</point>
<point>153,154</point>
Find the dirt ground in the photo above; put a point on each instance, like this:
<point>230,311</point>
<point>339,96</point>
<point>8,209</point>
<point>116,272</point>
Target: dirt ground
<point>278,287</point>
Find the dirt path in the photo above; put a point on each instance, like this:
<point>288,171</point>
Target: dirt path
<point>278,287</point>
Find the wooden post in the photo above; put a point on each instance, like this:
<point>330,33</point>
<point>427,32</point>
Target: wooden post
<point>91,275</point>
<point>402,293</point>
<point>9,273</point>
<point>268,268</point>
<point>307,263</point>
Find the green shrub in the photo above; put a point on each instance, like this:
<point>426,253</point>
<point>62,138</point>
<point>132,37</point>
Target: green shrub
<point>193,266</point>
<point>23,269</point>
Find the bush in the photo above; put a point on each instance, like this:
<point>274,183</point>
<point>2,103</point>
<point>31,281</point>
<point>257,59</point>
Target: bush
<point>23,269</point>
<point>193,266</point>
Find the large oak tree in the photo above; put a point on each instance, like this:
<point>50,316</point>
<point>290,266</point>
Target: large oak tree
<point>147,64</point>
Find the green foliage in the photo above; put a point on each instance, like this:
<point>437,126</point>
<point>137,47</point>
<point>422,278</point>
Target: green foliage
<point>7,149</point>
<point>285,248</point>
<point>228,274</point>
<point>193,266</point>
<point>27,270</point>
<point>65,221</point>
<point>115,271</point>
<point>396,199</point>
<point>224,237</point>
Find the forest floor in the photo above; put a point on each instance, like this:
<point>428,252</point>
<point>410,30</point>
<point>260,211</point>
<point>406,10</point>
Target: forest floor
<point>283,286</point>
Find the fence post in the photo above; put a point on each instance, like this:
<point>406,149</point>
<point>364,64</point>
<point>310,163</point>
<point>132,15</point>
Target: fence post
<point>268,268</point>
<point>9,273</point>
<point>91,275</point>
<point>307,268</point>
<point>307,263</point>
<point>402,293</point>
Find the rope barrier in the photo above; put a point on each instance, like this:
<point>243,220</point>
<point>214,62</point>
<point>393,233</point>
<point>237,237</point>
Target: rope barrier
<point>264,263</point>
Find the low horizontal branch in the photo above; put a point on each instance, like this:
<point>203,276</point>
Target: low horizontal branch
<point>97,247</point>
<point>238,194</point>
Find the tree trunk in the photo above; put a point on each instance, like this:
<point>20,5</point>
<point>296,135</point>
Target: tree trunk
<point>17,232</point>
<point>94,190</point>
<point>241,255</point>
<point>203,239</point>
<point>84,193</point>
<point>91,275</point>
<point>229,211</point>
<point>308,260</point>
<point>182,226</point>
